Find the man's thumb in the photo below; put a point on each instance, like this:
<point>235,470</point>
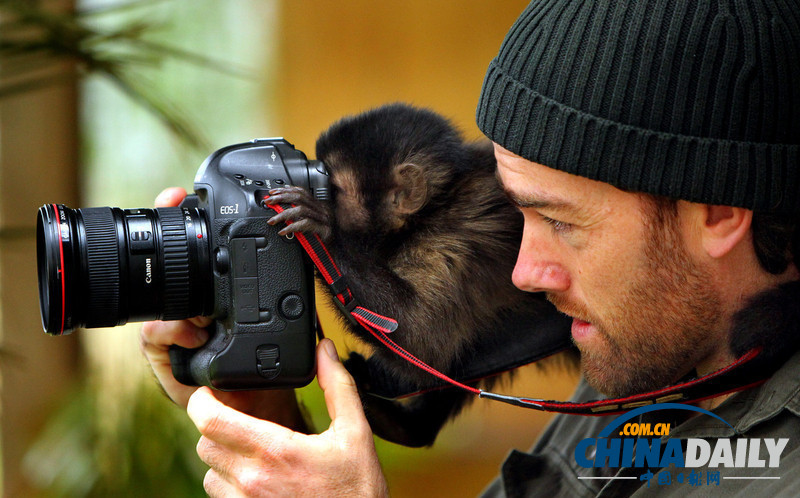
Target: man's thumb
<point>341,395</point>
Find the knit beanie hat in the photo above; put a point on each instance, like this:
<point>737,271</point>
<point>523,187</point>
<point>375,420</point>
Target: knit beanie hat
<point>691,99</point>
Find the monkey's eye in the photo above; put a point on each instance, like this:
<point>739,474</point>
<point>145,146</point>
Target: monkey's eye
<point>557,226</point>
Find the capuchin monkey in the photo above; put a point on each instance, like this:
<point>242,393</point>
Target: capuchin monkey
<point>423,233</point>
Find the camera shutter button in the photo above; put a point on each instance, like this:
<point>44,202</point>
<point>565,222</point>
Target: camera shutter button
<point>292,307</point>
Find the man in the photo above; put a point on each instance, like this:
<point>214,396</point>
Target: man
<point>636,109</point>
<point>653,148</point>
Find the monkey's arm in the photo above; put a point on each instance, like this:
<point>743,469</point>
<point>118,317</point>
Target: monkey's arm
<point>358,255</point>
<point>373,283</point>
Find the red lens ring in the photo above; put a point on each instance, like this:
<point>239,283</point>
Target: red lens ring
<point>61,270</point>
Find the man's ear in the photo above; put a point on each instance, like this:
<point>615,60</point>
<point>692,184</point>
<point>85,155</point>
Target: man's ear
<point>410,190</point>
<point>724,228</point>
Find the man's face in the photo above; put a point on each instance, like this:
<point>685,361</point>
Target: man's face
<point>643,311</point>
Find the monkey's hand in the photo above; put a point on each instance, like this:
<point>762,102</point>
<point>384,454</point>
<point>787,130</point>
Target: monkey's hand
<point>308,215</point>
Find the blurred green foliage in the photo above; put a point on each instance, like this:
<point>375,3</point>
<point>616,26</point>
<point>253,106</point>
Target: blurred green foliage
<point>147,451</point>
<point>33,40</point>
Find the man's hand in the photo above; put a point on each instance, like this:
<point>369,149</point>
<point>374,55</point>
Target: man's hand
<point>157,337</point>
<point>252,457</point>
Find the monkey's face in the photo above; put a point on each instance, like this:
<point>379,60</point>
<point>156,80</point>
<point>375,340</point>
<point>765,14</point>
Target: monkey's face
<point>350,205</point>
<point>376,199</point>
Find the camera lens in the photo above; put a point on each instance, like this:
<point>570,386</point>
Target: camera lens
<point>102,267</point>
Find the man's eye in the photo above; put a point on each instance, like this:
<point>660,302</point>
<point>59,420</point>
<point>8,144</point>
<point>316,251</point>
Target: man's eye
<point>557,226</point>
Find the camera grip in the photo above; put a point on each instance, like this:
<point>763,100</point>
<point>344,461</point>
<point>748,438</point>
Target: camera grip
<point>180,358</point>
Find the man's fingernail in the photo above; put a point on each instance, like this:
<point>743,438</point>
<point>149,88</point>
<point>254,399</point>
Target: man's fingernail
<point>199,404</point>
<point>330,350</point>
<point>162,198</point>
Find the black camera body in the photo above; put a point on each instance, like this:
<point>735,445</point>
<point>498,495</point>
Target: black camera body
<point>263,283</point>
<point>213,255</point>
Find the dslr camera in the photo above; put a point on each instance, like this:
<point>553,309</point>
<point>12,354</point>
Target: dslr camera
<point>214,255</point>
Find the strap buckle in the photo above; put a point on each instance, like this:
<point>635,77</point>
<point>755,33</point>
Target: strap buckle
<point>339,287</point>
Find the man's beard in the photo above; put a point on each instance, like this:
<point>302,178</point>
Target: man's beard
<point>660,326</point>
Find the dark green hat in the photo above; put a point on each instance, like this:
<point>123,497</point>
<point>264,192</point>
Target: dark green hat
<point>690,99</point>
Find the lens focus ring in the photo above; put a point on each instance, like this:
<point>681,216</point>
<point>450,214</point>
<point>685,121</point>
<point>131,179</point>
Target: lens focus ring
<point>176,263</point>
<point>102,255</point>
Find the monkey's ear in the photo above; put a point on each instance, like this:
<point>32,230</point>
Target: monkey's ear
<point>410,190</point>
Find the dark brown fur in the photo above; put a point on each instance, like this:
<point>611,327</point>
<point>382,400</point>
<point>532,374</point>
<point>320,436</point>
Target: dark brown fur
<point>422,231</point>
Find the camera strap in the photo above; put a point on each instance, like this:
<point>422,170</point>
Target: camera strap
<point>742,374</point>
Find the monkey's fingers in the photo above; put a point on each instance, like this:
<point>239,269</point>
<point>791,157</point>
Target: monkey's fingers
<point>289,195</point>
<point>301,219</point>
<point>306,226</point>
<point>281,217</point>
<point>297,213</point>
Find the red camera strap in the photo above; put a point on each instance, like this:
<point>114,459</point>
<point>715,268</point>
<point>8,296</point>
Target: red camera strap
<point>731,378</point>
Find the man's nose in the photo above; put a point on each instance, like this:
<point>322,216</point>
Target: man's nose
<point>538,267</point>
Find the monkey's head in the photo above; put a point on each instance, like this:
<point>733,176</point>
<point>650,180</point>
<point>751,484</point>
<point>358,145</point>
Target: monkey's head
<point>389,165</point>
